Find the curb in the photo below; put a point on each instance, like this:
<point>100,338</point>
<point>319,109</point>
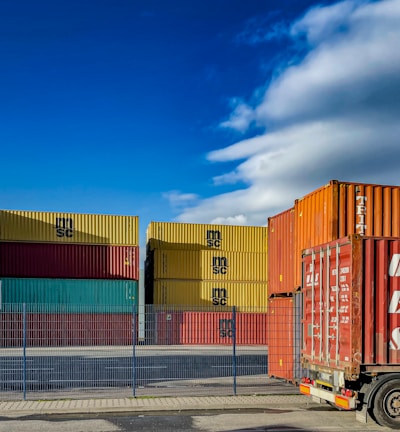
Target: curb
<point>93,406</point>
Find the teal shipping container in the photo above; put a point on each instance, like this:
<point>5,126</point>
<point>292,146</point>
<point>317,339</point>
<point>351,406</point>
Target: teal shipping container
<point>70,295</point>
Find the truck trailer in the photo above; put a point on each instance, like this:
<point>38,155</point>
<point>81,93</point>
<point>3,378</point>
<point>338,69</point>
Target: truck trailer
<point>351,326</point>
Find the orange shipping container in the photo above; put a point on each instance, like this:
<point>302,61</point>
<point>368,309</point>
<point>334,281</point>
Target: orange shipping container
<point>281,338</point>
<point>210,265</point>
<point>280,252</point>
<point>339,209</point>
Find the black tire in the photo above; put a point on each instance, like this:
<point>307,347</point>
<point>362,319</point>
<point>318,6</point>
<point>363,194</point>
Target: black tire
<point>386,408</point>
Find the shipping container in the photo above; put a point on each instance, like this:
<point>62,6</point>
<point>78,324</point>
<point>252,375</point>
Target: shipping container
<point>34,226</point>
<point>351,333</point>
<point>65,329</point>
<point>280,252</point>
<point>339,209</point>
<point>72,261</point>
<point>210,265</point>
<point>351,299</point>
<point>78,295</point>
<point>281,338</point>
<point>210,293</point>
<point>173,235</point>
<point>210,328</point>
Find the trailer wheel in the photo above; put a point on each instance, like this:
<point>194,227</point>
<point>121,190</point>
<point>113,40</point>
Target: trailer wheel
<point>386,408</point>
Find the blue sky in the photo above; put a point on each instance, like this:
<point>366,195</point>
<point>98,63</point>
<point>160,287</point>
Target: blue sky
<point>219,111</point>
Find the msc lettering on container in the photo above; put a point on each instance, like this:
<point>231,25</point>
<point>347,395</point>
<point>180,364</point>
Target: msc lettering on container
<point>213,238</point>
<point>226,328</point>
<point>64,227</point>
<point>220,265</point>
<point>219,296</point>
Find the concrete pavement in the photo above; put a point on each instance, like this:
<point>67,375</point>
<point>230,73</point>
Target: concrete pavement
<point>17,409</point>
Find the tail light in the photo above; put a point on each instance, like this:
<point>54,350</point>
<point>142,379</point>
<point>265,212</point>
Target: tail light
<point>347,392</point>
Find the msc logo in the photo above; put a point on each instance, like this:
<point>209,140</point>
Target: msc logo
<point>226,328</point>
<point>219,296</point>
<point>219,265</point>
<point>64,227</point>
<point>213,238</point>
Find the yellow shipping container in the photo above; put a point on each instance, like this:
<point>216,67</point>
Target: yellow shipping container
<point>34,226</point>
<point>210,265</point>
<point>208,293</point>
<point>173,235</point>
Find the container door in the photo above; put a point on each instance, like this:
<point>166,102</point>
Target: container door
<point>327,306</point>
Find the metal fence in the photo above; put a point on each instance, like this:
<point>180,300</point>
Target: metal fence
<point>48,351</point>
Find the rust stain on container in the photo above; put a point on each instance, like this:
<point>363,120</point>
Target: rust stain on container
<point>356,278</point>
<point>173,235</point>
<point>339,209</point>
<point>75,261</point>
<point>280,252</point>
<point>34,226</point>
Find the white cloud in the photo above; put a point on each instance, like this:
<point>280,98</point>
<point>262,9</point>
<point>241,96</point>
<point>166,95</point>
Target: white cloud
<point>241,117</point>
<point>333,115</point>
<point>177,198</point>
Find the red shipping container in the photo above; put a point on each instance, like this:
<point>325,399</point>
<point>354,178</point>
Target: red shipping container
<point>281,338</point>
<point>351,310</point>
<point>69,261</point>
<point>216,328</point>
<point>78,329</point>
<point>210,328</point>
<point>280,253</point>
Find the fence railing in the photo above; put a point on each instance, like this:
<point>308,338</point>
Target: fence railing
<point>49,350</point>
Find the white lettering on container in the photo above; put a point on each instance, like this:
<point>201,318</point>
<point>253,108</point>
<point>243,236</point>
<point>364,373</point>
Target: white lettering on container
<point>394,268</point>
<point>394,303</point>
<point>309,279</point>
<point>361,211</point>
<point>394,343</point>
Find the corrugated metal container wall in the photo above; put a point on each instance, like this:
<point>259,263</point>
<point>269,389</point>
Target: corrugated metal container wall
<point>172,235</point>
<point>209,293</point>
<point>210,265</point>
<point>34,226</point>
<point>210,328</point>
<point>55,260</point>
<point>339,209</point>
<point>86,295</point>
<point>281,331</point>
<point>65,329</point>
<point>280,252</point>
<point>357,279</point>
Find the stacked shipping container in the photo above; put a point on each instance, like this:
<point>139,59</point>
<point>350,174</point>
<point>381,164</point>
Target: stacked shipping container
<point>333,211</point>
<point>63,263</point>
<point>195,265</point>
<point>281,322</point>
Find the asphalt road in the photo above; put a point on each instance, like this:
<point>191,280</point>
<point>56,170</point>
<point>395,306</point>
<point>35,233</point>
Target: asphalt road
<point>48,369</point>
<point>298,418</point>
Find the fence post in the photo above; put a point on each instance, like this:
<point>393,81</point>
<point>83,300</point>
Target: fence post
<point>234,347</point>
<point>24,349</point>
<point>134,350</point>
